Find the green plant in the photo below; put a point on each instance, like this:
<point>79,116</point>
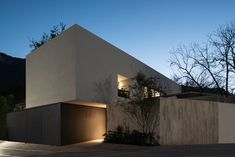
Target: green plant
<point>142,107</point>
<point>121,136</point>
<point>123,93</point>
<point>7,104</point>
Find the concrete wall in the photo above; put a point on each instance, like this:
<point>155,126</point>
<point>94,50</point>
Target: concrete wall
<point>36,125</point>
<point>82,123</point>
<point>184,121</point>
<point>16,126</point>
<point>117,117</point>
<point>78,65</point>
<point>50,72</point>
<point>57,124</point>
<point>103,62</point>
<point>226,122</point>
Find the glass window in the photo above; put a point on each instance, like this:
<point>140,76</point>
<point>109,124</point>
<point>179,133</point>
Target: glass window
<point>123,86</point>
<point>145,92</point>
<point>157,93</point>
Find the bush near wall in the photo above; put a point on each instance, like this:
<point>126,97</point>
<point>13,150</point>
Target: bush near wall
<point>121,136</point>
<point>8,103</point>
<point>4,108</point>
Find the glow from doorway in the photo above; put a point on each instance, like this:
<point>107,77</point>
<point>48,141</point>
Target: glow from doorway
<point>97,141</point>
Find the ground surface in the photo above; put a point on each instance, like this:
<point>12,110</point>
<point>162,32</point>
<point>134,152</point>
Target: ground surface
<point>16,149</point>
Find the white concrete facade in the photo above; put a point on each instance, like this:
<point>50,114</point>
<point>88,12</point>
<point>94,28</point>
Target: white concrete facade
<point>226,118</point>
<point>78,66</point>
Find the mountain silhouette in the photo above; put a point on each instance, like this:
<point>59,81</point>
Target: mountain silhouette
<point>12,75</point>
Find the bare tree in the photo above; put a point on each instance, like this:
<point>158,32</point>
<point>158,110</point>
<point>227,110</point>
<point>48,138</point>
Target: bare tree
<point>211,65</point>
<point>192,66</point>
<point>223,41</point>
<point>204,60</point>
<point>142,107</point>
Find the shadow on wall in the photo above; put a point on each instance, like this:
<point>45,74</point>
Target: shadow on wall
<point>103,91</point>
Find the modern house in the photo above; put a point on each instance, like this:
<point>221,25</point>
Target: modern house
<point>73,82</point>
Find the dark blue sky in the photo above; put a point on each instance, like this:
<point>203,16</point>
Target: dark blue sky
<point>146,29</point>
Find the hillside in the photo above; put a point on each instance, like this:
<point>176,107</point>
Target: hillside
<point>12,75</point>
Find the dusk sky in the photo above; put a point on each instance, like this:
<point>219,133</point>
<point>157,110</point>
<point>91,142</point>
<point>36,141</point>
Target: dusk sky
<point>145,29</point>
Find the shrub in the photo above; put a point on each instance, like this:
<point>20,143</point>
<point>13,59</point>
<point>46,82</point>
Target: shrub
<point>121,136</point>
<point>8,104</point>
<point>142,105</point>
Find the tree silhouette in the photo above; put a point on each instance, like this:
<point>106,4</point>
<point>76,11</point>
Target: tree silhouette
<point>54,32</point>
<point>211,65</point>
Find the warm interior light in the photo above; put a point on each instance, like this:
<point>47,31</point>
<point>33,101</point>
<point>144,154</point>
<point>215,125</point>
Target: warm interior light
<point>156,94</point>
<point>145,92</point>
<point>86,103</point>
<point>93,121</point>
<point>123,86</point>
<point>122,82</point>
<point>97,141</point>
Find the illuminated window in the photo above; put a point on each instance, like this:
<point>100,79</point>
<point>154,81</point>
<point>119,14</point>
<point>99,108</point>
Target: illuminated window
<point>123,86</point>
<point>157,94</point>
<point>145,92</point>
<point>152,93</point>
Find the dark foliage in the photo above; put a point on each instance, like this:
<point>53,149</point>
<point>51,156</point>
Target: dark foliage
<point>142,107</point>
<point>7,104</point>
<point>121,136</point>
<point>12,88</point>
<point>12,78</point>
<point>203,90</point>
<point>123,93</point>
<point>54,32</point>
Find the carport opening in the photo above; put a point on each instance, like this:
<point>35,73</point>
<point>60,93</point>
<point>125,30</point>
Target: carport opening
<point>83,123</point>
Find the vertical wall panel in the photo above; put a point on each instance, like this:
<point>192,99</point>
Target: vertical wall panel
<point>51,125</point>
<point>184,121</point>
<point>16,126</point>
<point>35,125</point>
<point>226,123</point>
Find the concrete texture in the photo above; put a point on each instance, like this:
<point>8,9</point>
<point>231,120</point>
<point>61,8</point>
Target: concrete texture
<point>57,124</point>
<point>78,65</point>
<point>184,121</point>
<point>50,72</point>
<point>82,123</point>
<point>226,122</point>
<point>117,117</point>
<point>96,149</point>
<point>16,126</point>
<point>35,125</point>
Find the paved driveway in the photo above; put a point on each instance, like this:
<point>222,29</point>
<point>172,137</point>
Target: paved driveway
<point>88,149</point>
